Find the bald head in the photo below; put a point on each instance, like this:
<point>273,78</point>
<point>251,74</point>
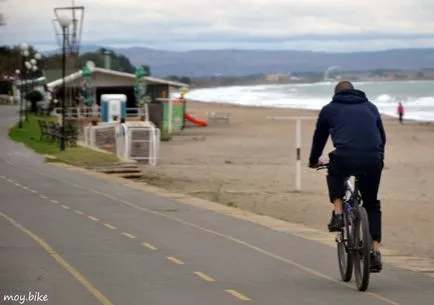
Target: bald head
<point>343,85</point>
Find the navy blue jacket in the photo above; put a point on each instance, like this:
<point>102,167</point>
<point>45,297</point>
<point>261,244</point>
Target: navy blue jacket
<point>354,124</point>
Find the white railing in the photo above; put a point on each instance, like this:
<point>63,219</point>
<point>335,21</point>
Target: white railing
<point>83,112</point>
<point>90,133</point>
<point>138,141</point>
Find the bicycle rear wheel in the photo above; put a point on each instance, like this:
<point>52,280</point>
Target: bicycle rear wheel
<point>345,259</point>
<point>362,250</point>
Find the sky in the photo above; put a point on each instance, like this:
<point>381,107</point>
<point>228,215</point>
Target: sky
<point>317,25</point>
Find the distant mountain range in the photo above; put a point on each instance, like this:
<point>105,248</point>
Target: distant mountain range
<point>231,62</point>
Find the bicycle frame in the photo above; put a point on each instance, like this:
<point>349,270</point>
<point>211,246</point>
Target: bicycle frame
<point>354,237</point>
<point>351,195</point>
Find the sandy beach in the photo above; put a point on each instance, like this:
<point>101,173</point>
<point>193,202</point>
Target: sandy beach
<point>250,164</point>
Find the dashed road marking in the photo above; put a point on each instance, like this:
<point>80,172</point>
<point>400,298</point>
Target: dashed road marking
<point>17,184</point>
<point>110,226</point>
<point>2,177</point>
<point>79,212</point>
<point>9,180</point>
<point>33,191</point>
<point>93,218</point>
<point>193,225</point>
<point>24,187</point>
<point>204,276</point>
<point>149,246</point>
<point>175,260</point>
<point>66,207</point>
<point>43,196</point>
<point>54,201</point>
<point>59,259</point>
<point>128,235</point>
<point>238,295</point>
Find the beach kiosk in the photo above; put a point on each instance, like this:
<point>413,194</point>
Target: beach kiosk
<point>113,105</point>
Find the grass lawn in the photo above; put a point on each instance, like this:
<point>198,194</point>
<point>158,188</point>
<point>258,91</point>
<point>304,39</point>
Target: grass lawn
<point>78,156</point>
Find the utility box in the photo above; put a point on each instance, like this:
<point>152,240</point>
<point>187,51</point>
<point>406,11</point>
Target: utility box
<point>113,105</point>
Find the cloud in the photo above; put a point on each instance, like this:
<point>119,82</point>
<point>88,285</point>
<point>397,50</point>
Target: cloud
<point>172,24</point>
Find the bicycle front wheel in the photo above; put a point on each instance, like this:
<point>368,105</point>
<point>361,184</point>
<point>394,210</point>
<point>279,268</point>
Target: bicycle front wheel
<point>362,250</point>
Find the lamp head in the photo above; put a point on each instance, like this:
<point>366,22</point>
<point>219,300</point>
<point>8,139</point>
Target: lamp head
<point>64,21</point>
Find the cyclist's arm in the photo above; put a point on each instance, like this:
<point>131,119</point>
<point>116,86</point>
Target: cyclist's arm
<point>320,137</point>
<point>382,132</point>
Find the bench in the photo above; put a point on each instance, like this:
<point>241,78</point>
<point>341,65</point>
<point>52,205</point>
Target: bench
<point>219,116</point>
<point>51,131</point>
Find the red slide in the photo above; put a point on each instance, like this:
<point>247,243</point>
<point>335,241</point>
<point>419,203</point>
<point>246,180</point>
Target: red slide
<point>198,122</point>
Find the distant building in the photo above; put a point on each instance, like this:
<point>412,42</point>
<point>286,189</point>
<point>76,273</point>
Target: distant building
<point>277,77</point>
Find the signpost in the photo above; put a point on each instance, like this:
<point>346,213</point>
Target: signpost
<point>298,120</point>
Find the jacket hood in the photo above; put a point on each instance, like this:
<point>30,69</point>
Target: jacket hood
<point>350,96</point>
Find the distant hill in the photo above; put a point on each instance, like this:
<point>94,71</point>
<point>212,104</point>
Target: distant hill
<point>200,63</point>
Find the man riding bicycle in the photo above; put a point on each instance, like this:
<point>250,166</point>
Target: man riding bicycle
<point>358,136</point>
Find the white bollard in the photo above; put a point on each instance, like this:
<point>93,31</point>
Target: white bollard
<point>298,120</point>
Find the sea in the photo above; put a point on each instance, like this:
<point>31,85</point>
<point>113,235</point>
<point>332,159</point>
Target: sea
<point>416,96</point>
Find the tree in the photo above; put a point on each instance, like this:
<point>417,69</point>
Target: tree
<point>181,79</point>
<point>185,80</point>
<point>34,97</point>
<point>10,61</point>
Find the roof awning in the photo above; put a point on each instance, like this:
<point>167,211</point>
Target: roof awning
<point>152,80</point>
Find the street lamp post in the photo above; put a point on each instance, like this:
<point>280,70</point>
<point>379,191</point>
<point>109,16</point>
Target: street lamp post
<point>26,66</point>
<point>64,22</point>
<point>31,66</point>
<point>23,55</point>
<point>17,81</point>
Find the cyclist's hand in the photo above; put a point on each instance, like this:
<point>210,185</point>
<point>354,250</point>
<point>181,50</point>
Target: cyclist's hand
<point>323,160</point>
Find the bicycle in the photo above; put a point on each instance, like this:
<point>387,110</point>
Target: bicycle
<point>354,240</point>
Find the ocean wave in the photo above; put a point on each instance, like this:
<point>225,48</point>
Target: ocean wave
<point>315,96</point>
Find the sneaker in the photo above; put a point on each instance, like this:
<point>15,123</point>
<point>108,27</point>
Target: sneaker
<point>336,222</point>
<point>376,264</point>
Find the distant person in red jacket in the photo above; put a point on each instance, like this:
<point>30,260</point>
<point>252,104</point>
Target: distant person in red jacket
<point>400,112</point>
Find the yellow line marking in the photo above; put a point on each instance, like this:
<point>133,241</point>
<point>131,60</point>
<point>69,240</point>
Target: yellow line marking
<point>93,218</point>
<point>237,295</point>
<point>25,187</point>
<point>128,235</point>
<point>65,207</point>
<point>149,246</point>
<point>175,260</point>
<point>54,201</point>
<point>33,191</point>
<point>233,239</point>
<point>43,196</point>
<point>89,287</point>
<point>110,226</point>
<point>204,276</point>
<point>78,212</point>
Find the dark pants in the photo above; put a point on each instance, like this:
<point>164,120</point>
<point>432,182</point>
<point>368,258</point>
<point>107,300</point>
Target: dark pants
<point>401,118</point>
<point>341,167</point>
